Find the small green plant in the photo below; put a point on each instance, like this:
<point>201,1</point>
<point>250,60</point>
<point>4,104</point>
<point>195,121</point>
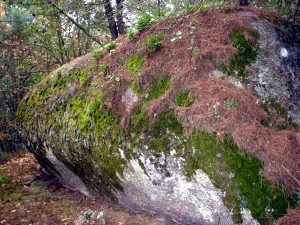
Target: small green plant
<point>97,54</point>
<point>160,87</point>
<point>143,21</point>
<point>4,179</point>
<point>104,68</point>
<point>184,99</point>
<point>134,63</point>
<point>130,33</point>
<point>233,103</point>
<point>110,46</point>
<point>154,42</point>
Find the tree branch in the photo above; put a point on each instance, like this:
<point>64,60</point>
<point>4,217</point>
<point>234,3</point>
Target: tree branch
<point>74,22</point>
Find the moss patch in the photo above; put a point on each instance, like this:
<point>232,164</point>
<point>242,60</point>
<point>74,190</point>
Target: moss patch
<point>4,179</point>
<point>247,52</point>
<point>135,62</point>
<point>184,99</point>
<point>160,87</point>
<point>278,116</point>
<point>238,175</point>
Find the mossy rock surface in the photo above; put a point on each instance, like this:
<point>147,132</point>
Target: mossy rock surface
<point>95,132</point>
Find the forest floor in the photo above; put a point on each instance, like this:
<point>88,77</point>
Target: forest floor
<point>29,196</point>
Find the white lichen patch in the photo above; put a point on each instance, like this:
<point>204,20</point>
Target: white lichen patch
<point>247,217</point>
<point>129,99</point>
<point>161,184</point>
<point>66,176</point>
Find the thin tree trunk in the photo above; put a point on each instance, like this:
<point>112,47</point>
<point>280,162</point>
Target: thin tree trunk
<point>121,24</point>
<point>111,20</point>
<point>78,39</point>
<point>159,7</point>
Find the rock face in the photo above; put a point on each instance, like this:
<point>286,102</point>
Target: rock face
<point>166,133</point>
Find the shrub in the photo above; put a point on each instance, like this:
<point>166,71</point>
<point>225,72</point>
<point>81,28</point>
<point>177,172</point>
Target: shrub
<point>130,33</point>
<point>154,42</point>
<point>143,21</point>
<point>104,68</point>
<point>184,99</point>
<point>97,54</point>
<point>110,46</point>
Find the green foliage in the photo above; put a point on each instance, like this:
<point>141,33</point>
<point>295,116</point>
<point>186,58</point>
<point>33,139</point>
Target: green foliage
<point>130,33</point>
<point>238,175</point>
<point>134,63</point>
<point>184,99</point>
<point>97,54</point>
<point>110,46</point>
<point>247,52</point>
<point>4,179</point>
<point>154,42</point>
<point>104,68</point>
<point>143,21</point>
<point>160,87</point>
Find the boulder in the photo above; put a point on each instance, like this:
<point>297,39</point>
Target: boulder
<point>168,132</point>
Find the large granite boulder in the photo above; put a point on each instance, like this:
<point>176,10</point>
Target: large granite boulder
<point>167,132</point>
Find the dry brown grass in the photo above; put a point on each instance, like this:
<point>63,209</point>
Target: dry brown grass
<point>291,218</point>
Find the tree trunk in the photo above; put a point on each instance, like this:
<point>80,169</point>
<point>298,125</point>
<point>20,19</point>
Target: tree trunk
<point>121,24</point>
<point>159,7</point>
<point>244,2</point>
<point>111,20</point>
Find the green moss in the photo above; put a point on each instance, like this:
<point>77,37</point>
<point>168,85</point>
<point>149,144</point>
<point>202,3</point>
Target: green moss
<point>135,62</point>
<point>238,175</point>
<point>280,111</point>
<point>278,116</point>
<point>78,114</point>
<point>160,87</point>
<point>62,80</point>
<point>4,179</point>
<point>184,99</point>
<point>162,136</point>
<point>154,42</point>
<point>138,121</point>
<point>247,52</point>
